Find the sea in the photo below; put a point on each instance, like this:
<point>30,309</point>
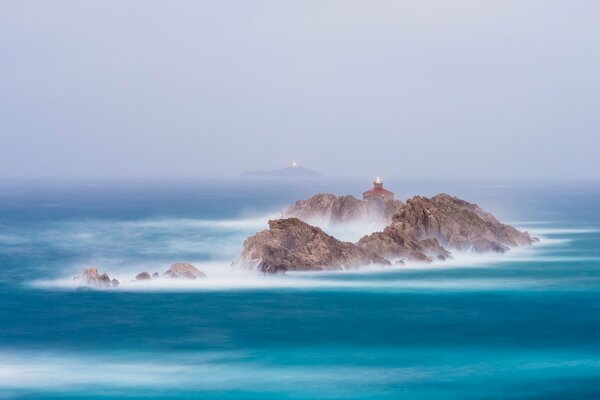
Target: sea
<point>520,325</point>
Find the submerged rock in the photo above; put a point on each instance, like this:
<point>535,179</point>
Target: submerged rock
<point>91,277</point>
<point>143,276</point>
<point>291,244</point>
<point>184,271</point>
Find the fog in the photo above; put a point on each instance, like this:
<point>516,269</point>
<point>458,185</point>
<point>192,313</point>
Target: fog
<point>401,89</point>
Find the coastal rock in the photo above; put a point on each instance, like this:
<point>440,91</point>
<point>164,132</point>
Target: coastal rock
<point>293,245</point>
<point>91,277</point>
<point>457,224</point>
<point>155,275</point>
<point>143,276</point>
<point>184,271</point>
<point>394,243</point>
<point>332,209</point>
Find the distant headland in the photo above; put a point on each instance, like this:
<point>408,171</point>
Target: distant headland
<point>294,171</point>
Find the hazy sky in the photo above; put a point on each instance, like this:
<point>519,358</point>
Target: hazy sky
<point>419,89</point>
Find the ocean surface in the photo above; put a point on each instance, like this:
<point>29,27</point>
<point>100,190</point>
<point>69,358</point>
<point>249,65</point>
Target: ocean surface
<point>524,325</point>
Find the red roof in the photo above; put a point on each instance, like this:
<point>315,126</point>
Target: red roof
<point>380,191</point>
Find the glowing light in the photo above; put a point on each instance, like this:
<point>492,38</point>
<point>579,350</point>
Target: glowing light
<point>294,164</point>
<point>378,180</point>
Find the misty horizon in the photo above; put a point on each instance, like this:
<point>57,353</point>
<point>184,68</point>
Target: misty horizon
<point>410,90</point>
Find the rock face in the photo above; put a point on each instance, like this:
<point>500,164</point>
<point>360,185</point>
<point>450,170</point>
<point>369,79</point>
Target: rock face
<point>332,209</point>
<point>92,278</point>
<point>291,244</point>
<point>395,244</point>
<point>184,271</point>
<point>143,276</point>
<point>457,224</point>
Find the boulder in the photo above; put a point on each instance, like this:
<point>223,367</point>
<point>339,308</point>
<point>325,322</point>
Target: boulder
<point>183,270</point>
<point>293,245</point>
<point>155,275</point>
<point>143,276</point>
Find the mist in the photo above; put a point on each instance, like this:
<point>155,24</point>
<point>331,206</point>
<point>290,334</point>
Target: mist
<point>401,89</point>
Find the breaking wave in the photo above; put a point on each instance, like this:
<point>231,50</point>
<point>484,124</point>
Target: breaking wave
<point>125,248</point>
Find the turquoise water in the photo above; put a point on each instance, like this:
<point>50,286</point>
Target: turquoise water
<point>524,325</point>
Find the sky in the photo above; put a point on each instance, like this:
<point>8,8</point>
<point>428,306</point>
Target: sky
<point>404,89</point>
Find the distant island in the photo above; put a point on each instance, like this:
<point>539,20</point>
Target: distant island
<point>294,171</point>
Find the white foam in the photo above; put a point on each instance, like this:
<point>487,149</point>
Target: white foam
<point>206,371</point>
<point>222,277</point>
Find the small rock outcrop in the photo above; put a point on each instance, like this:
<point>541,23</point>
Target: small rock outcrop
<point>143,276</point>
<point>332,209</point>
<point>457,224</point>
<point>155,275</point>
<point>183,270</point>
<point>92,278</point>
<point>293,245</point>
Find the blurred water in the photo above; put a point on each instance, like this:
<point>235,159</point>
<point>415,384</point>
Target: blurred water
<point>524,325</point>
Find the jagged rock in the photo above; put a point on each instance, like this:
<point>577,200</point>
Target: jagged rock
<point>457,224</point>
<point>143,276</point>
<point>291,244</point>
<point>393,243</point>
<point>155,275</point>
<point>332,209</point>
<point>421,230</point>
<point>91,277</point>
<point>184,271</point>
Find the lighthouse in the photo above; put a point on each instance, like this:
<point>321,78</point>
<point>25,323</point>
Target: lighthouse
<point>378,192</point>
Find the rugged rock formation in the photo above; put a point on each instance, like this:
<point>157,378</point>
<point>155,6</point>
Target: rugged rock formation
<point>92,278</point>
<point>184,271</point>
<point>291,244</point>
<point>457,224</point>
<point>395,244</point>
<point>332,209</point>
<point>143,276</point>
<point>421,229</point>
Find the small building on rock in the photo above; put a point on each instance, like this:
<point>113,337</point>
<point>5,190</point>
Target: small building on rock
<point>378,192</point>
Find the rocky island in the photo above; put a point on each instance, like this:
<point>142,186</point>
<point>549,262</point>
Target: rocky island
<point>421,229</point>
